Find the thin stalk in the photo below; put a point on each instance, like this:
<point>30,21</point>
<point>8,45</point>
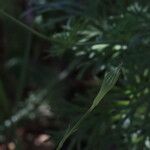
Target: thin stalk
<point>24,69</point>
<point>72,130</point>
<point>40,35</point>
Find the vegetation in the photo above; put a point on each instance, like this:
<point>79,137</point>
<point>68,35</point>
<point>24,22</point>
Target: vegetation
<point>53,57</point>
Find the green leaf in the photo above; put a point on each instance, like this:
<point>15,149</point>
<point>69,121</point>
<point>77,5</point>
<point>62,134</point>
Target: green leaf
<point>109,81</point>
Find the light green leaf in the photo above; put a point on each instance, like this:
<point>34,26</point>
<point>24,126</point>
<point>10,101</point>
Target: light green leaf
<point>109,81</point>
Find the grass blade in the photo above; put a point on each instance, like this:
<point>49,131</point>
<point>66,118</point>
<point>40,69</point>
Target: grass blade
<point>109,81</point>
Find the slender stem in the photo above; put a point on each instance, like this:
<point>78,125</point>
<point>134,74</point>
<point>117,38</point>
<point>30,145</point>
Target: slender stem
<point>73,129</point>
<point>24,25</point>
<point>24,69</point>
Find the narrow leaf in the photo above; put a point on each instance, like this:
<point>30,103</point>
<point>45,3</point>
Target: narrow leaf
<point>109,81</point>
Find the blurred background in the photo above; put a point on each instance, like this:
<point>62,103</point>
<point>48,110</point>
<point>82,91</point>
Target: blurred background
<point>53,56</point>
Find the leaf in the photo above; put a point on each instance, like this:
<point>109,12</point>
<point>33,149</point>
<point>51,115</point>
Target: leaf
<point>109,81</point>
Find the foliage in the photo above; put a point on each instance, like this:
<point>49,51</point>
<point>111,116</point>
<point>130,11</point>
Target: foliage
<point>83,40</point>
<point>108,83</point>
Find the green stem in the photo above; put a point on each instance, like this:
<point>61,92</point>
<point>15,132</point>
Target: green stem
<point>23,25</point>
<point>73,129</point>
<point>24,69</point>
